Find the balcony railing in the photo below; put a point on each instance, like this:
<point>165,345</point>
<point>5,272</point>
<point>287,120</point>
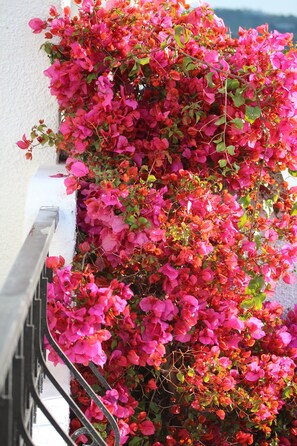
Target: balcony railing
<point>23,326</point>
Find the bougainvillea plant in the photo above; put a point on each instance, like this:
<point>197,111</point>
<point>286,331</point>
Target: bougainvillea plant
<point>177,135</point>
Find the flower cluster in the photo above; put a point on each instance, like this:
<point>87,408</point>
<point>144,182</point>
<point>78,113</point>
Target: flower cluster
<point>176,136</point>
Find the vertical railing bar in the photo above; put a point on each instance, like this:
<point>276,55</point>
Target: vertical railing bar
<point>29,340</point>
<point>6,411</point>
<point>74,407</point>
<point>92,431</point>
<point>85,385</point>
<point>18,369</point>
<point>77,375</point>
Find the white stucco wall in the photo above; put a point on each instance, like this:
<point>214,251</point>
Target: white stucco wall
<point>24,98</point>
<point>24,186</point>
<point>287,294</point>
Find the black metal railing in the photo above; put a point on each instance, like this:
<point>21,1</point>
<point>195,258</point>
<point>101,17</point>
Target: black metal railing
<point>23,325</point>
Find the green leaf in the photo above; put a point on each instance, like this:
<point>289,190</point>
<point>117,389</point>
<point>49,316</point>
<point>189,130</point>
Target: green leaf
<point>130,220</point>
<point>256,285</point>
<point>231,150</point>
<point>247,304</point>
<point>114,343</point>
<point>238,123</point>
<point>142,221</point>
<point>47,47</point>
<point>164,44</point>
<point>222,163</point>
<point>154,407</point>
<point>294,210</point>
<point>209,79</point>
<point>151,179</point>
<point>259,299</point>
<point>197,117</point>
<point>179,32</point>
<point>144,61</point>
<point>292,172</point>
<point>232,84</point>
<point>268,207</point>
<point>101,427</point>
<point>243,220</point>
<point>221,147</point>
<point>188,64</point>
<point>258,240</point>
<point>252,113</point>
<point>134,70</point>
<point>236,167</point>
<point>238,99</point>
<point>191,372</point>
<point>136,441</point>
<point>221,120</point>
<point>180,376</point>
<point>287,392</point>
<point>91,77</point>
<point>245,201</point>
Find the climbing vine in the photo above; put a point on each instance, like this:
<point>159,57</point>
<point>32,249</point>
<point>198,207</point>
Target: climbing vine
<point>177,137</point>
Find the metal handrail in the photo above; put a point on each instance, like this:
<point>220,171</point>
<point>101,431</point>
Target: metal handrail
<point>19,287</point>
<point>23,326</point>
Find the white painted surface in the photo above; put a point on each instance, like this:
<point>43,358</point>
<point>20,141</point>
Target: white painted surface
<point>43,433</point>
<point>47,189</point>
<point>287,294</point>
<point>24,98</point>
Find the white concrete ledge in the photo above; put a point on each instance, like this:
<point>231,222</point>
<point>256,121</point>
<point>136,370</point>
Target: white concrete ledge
<point>47,188</point>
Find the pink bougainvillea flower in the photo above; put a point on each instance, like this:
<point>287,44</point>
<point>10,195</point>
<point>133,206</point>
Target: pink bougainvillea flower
<point>289,278</point>
<point>24,143</point>
<point>37,25</point>
<point>176,134</point>
<point>54,262</point>
<point>147,427</point>
<point>79,169</point>
<point>169,271</point>
<point>71,185</point>
<point>255,327</point>
<point>255,372</point>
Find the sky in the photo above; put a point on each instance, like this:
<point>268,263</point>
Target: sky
<point>285,7</point>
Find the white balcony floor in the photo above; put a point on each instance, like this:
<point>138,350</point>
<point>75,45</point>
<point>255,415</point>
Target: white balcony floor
<point>44,434</point>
